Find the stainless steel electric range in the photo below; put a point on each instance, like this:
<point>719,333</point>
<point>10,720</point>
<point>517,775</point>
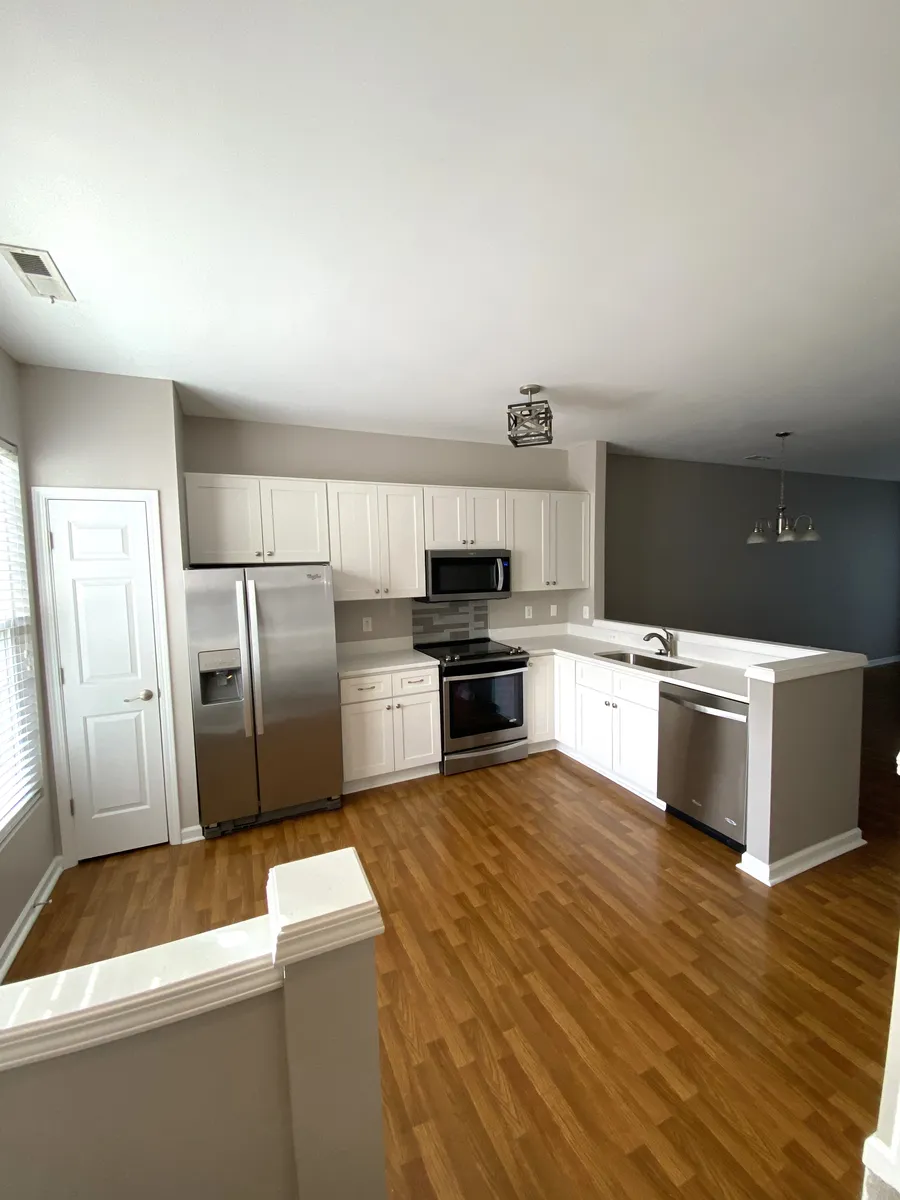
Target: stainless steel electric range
<point>483,720</point>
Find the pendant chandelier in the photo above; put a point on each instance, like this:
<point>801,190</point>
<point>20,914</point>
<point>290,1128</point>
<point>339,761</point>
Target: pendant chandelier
<point>784,528</point>
<point>531,423</point>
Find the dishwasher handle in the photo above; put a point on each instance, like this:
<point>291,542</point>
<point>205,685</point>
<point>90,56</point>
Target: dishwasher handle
<point>704,708</point>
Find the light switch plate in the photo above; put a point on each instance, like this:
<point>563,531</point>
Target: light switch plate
<point>586,613</point>
<point>367,624</point>
<point>528,612</point>
<point>553,610</point>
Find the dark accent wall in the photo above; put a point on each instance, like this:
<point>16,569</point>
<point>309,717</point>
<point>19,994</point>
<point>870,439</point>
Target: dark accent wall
<point>676,555</point>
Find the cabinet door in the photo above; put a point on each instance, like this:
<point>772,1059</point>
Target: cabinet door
<point>486,518</point>
<point>445,518</point>
<point>224,518</point>
<point>417,731</point>
<point>295,520</point>
<point>355,552</point>
<point>635,735</point>
<point>593,726</point>
<point>564,694</point>
<point>570,539</point>
<point>539,698</point>
<point>402,538</point>
<point>368,735</point>
<point>528,540</point>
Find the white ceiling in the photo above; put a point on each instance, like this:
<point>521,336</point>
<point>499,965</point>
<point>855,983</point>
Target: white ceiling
<point>682,218</point>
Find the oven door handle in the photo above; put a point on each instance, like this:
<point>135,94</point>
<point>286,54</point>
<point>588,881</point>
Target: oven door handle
<point>501,576</point>
<point>485,675</point>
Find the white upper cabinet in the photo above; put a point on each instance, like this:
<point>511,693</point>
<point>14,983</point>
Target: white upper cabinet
<point>570,539</point>
<point>294,520</point>
<point>445,518</point>
<point>465,517</point>
<point>355,543</point>
<point>401,522</point>
<point>486,518</point>
<point>224,518</point>
<point>528,539</point>
<point>549,539</point>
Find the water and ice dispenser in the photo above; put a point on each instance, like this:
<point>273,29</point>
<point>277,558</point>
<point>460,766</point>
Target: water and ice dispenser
<point>221,680</point>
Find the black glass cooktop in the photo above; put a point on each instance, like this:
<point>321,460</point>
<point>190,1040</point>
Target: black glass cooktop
<point>481,648</point>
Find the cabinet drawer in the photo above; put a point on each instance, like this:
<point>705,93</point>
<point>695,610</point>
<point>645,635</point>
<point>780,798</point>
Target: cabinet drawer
<point>593,676</point>
<point>407,683</point>
<point>636,688</point>
<point>365,687</point>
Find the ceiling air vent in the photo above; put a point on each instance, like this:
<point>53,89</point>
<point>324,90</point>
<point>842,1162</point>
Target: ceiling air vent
<point>38,272</point>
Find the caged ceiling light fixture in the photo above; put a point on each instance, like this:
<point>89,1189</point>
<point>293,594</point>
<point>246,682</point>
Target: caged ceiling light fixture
<point>530,423</point>
<point>784,528</point>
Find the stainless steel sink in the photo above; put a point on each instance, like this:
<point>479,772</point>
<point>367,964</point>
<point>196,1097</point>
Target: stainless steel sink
<point>651,662</point>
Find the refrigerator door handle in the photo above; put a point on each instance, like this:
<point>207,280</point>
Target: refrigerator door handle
<point>254,657</point>
<point>245,656</point>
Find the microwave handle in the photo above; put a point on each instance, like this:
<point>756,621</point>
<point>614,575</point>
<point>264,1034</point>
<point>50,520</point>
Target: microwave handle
<point>501,576</point>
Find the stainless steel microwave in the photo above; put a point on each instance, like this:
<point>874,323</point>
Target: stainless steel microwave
<point>467,574</point>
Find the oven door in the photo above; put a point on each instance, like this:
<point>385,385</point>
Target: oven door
<point>483,709</point>
<point>467,574</point>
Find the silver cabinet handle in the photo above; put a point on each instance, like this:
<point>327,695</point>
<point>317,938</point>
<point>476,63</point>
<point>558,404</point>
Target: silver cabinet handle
<point>730,822</point>
<point>412,681</point>
<point>377,591</point>
<point>270,553</point>
<point>388,707</point>
<point>369,688</point>
<point>146,694</point>
<point>615,706</point>
<point>554,583</point>
<point>259,553</point>
<point>697,802</point>
<point>254,658</point>
<point>245,656</point>
<point>606,702</point>
<point>546,583</point>
<point>385,591</point>
<point>396,706</point>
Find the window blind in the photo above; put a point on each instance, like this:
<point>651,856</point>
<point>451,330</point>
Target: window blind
<point>20,756</point>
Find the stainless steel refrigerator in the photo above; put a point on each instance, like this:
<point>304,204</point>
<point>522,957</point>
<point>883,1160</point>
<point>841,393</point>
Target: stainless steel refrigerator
<point>267,716</point>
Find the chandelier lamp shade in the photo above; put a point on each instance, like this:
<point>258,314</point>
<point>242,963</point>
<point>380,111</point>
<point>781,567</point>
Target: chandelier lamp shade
<point>784,528</point>
<point>530,423</point>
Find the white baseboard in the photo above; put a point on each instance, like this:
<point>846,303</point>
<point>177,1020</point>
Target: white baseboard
<point>192,833</point>
<point>883,662</point>
<point>881,1161</point>
<point>29,914</point>
<point>803,860</point>
<point>376,781</point>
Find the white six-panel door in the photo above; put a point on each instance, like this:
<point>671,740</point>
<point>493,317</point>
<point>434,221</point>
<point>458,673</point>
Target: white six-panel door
<point>110,686</point>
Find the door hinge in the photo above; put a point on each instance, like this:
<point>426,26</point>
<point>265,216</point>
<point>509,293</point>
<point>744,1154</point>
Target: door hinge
<point>72,805</point>
<point>62,677</point>
<point>52,543</point>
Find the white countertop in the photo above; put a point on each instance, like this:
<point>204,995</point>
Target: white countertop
<point>705,677</point>
<point>353,661</point>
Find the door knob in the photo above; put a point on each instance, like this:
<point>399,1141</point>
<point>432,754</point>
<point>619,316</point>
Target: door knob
<point>146,694</point>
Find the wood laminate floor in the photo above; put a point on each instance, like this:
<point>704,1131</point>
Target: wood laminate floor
<point>579,996</point>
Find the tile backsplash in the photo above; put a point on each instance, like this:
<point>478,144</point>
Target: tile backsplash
<point>450,621</point>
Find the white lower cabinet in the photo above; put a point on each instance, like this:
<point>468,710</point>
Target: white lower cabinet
<point>634,748</point>
<point>539,698</point>
<point>400,731</point>
<point>417,731</point>
<point>368,736</point>
<point>594,726</point>
<point>564,700</point>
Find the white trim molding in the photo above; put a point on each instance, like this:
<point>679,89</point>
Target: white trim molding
<point>377,781</point>
<point>881,1160</point>
<point>191,833</point>
<point>40,497</point>
<point>803,860</point>
<point>12,943</point>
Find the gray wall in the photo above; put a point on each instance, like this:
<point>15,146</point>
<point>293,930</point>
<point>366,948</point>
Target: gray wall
<point>29,846</point>
<point>258,448</point>
<point>198,1108</point>
<point>676,555</point>
<point>89,430</point>
<point>587,473</point>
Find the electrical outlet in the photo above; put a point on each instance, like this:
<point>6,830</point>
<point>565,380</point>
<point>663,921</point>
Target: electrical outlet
<point>528,611</point>
<point>586,612</point>
<point>553,610</point>
<point>367,624</point>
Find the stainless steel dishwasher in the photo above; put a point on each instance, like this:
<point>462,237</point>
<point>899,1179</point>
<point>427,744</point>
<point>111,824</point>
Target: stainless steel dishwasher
<point>703,760</point>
